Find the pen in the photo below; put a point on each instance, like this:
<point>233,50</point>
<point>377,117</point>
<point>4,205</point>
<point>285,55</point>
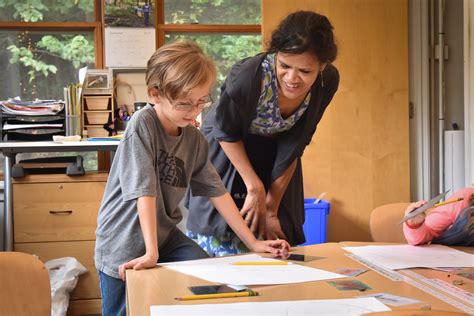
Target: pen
<point>448,202</point>
<point>261,263</point>
<point>217,295</point>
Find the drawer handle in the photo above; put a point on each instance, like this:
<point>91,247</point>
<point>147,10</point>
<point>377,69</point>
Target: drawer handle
<point>66,212</point>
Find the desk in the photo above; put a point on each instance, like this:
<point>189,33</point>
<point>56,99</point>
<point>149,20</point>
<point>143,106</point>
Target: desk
<point>159,286</point>
<point>10,149</point>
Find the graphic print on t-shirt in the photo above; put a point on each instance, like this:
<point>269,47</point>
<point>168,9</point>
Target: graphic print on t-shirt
<point>171,170</point>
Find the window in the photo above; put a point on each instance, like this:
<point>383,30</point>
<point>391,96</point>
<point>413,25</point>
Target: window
<point>38,64</point>
<point>224,48</point>
<point>221,12</point>
<point>43,43</point>
<point>227,30</point>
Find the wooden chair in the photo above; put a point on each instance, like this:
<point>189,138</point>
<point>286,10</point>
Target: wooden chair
<point>384,223</point>
<point>25,287</point>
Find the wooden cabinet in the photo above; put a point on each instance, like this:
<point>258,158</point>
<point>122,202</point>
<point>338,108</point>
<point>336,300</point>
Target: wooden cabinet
<point>55,216</point>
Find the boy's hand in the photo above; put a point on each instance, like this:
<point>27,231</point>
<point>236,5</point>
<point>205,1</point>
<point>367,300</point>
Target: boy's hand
<point>276,247</point>
<point>416,221</point>
<point>144,262</point>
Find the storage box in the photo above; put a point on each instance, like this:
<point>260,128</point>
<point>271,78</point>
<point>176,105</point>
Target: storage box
<point>96,102</point>
<point>315,225</point>
<point>97,117</point>
<point>96,131</point>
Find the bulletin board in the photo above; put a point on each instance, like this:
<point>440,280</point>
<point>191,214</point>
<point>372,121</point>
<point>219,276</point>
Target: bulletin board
<point>127,47</point>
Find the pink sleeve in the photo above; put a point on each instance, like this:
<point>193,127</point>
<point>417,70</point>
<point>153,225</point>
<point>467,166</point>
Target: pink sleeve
<point>438,220</point>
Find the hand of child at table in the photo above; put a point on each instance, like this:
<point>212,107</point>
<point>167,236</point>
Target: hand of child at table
<point>144,262</point>
<point>418,219</point>
<point>276,247</point>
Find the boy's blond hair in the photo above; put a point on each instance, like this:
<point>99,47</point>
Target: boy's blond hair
<point>176,68</point>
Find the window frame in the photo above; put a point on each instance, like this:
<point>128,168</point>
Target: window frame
<point>162,28</point>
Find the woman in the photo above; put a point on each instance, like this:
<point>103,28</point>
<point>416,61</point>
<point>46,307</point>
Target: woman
<point>269,108</point>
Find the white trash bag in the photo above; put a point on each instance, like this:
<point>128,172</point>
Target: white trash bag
<point>63,276</point>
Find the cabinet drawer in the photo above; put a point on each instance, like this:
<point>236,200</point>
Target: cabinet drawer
<point>56,211</point>
<point>88,284</point>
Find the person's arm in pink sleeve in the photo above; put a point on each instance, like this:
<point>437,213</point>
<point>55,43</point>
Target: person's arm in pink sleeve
<point>423,228</point>
<point>415,230</point>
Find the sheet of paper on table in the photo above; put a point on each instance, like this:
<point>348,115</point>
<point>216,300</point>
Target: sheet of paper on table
<point>221,270</point>
<point>406,256</point>
<point>352,306</point>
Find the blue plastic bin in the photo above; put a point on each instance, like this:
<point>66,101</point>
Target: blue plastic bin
<point>315,224</point>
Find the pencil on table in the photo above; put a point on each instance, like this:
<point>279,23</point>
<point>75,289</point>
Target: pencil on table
<point>217,295</point>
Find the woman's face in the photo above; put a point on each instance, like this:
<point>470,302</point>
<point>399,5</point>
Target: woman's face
<point>296,73</point>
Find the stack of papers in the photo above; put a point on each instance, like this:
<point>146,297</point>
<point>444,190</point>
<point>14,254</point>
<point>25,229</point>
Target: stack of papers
<point>407,256</point>
<point>37,107</point>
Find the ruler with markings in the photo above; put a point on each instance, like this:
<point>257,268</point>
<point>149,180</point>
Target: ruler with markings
<point>390,274</point>
<point>455,291</point>
<point>415,280</point>
<point>447,288</point>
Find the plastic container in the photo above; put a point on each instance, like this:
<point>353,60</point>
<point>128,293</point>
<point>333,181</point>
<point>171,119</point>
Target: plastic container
<point>315,225</point>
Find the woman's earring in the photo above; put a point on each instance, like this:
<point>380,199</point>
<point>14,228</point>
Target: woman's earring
<point>322,80</point>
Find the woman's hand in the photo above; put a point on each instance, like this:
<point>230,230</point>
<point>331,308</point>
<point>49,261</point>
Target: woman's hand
<point>273,229</point>
<point>253,211</point>
<point>144,262</point>
<point>275,247</point>
<point>416,221</point>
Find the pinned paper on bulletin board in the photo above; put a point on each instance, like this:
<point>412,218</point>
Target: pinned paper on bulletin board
<point>127,47</point>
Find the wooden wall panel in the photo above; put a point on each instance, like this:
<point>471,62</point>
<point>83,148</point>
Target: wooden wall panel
<point>360,152</point>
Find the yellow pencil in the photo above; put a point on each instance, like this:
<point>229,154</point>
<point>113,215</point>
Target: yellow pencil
<point>261,263</point>
<point>217,295</point>
<point>448,202</point>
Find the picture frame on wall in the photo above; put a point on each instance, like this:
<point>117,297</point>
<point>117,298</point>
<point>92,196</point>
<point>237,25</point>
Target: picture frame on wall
<point>98,81</point>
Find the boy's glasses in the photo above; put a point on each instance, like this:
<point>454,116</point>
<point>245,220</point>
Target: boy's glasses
<point>188,106</point>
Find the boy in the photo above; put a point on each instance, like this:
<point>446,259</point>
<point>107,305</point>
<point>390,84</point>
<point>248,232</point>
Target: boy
<point>160,155</point>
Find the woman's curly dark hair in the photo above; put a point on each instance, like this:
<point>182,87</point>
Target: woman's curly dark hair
<point>304,31</point>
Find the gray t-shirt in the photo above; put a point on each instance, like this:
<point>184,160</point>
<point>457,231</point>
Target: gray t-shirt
<point>149,162</point>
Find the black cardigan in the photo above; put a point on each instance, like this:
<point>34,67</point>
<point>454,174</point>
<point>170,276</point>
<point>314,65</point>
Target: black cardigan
<point>230,120</point>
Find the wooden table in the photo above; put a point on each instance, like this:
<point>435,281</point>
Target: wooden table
<point>159,286</point>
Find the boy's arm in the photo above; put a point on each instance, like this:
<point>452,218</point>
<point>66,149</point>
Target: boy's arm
<point>227,208</point>
<point>146,206</point>
<point>274,196</point>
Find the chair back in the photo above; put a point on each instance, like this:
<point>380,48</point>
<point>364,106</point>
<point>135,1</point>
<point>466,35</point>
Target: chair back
<point>25,287</point>
<point>384,223</point>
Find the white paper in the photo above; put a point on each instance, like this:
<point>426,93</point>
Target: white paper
<point>346,307</point>
<point>393,300</point>
<point>9,126</point>
<point>128,47</point>
<point>407,256</point>
<point>221,270</point>
<point>82,75</point>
